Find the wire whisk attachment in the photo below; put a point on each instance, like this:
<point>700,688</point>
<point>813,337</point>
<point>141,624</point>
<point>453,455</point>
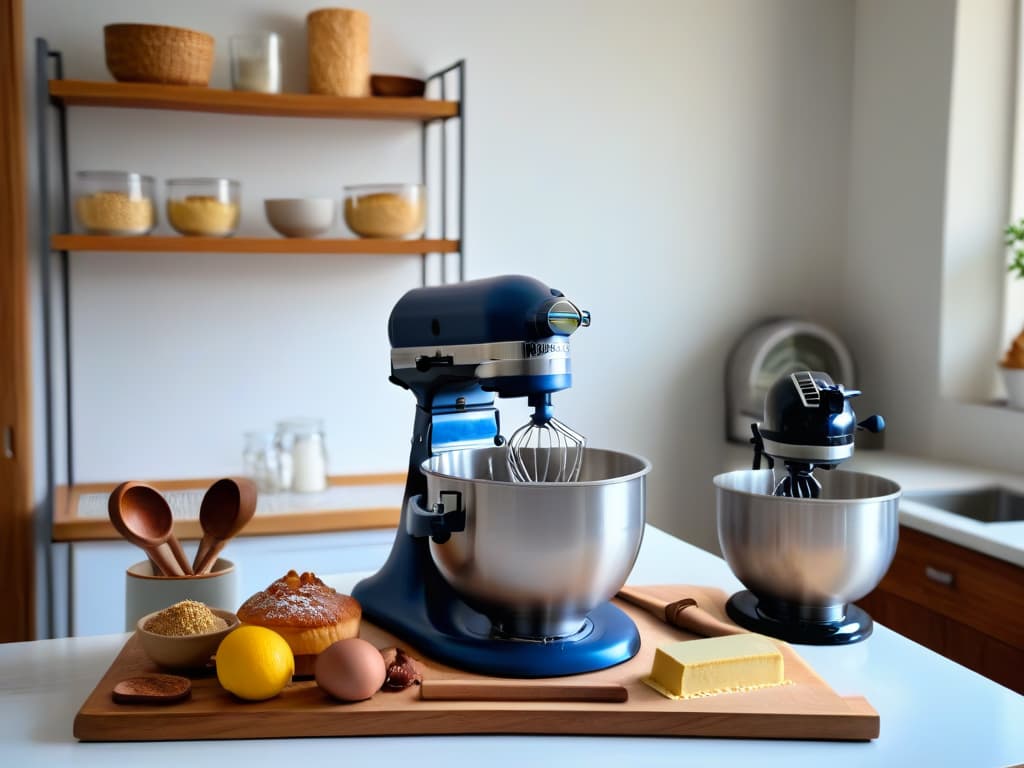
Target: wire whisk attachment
<point>799,482</point>
<point>544,450</point>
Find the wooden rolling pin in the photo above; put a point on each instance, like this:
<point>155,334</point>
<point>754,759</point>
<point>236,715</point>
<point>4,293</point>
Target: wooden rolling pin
<point>520,690</point>
<point>685,614</point>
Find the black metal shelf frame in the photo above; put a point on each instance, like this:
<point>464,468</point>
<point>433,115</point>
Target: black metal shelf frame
<point>50,63</point>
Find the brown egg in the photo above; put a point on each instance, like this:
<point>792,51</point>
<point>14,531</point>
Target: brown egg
<point>350,670</point>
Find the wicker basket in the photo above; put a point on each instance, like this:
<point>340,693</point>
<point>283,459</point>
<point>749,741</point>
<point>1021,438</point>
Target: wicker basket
<point>150,53</point>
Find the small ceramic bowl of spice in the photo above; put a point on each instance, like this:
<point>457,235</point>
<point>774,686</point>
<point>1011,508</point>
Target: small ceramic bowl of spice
<point>184,635</point>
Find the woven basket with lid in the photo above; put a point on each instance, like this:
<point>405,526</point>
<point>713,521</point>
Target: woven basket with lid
<point>151,53</point>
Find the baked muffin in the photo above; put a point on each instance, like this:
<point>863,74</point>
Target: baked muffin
<point>307,613</point>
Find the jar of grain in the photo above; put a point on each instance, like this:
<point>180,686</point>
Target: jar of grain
<point>114,203</point>
<point>396,211</point>
<point>204,207</point>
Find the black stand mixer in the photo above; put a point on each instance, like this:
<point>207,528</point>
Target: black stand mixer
<point>808,424</point>
<point>806,547</point>
<point>456,347</point>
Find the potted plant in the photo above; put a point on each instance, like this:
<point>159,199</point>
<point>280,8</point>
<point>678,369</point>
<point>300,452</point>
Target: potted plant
<point>1012,364</point>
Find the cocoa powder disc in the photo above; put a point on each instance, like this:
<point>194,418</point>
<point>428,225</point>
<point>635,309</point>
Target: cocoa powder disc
<point>152,689</point>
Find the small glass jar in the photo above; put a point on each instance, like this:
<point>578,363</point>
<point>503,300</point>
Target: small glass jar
<point>205,207</point>
<point>256,63</point>
<point>115,203</point>
<point>302,453</point>
<point>260,461</point>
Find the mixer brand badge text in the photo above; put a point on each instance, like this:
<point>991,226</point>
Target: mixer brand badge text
<point>541,348</point>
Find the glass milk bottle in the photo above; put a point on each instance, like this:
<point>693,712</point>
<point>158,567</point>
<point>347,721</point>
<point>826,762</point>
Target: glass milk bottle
<point>302,455</point>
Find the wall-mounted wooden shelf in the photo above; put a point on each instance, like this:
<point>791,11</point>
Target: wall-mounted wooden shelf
<point>85,93</point>
<point>351,503</point>
<point>178,244</point>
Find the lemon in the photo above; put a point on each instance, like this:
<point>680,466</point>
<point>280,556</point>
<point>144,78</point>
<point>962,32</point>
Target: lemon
<point>254,663</point>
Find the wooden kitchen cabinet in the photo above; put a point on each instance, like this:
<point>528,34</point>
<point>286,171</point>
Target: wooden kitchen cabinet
<point>967,606</point>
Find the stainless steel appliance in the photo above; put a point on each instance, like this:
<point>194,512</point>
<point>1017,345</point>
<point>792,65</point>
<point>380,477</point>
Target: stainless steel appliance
<point>772,349</point>
<point>805,561</point>
<point>505,557</point>
<point>806,546</point>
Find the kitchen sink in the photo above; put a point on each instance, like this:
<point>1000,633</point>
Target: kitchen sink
<point>987,505</point>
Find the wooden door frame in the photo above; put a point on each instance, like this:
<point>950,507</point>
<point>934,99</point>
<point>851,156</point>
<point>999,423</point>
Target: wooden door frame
<point>17,545</point>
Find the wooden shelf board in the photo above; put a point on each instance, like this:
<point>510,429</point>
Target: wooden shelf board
<point>180,244</point>
<point>69,526</point>
<point>193,99</point>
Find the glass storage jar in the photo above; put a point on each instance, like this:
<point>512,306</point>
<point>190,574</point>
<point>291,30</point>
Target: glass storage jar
<point>205,207</point>
<point>260,461</point>
<point>114,202</point>
<point>302,453</point>
<point>256,63</point>
<point>397,211</point>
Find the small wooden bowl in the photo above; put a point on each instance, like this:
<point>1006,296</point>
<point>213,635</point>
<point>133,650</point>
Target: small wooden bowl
<point>152,53</point>
<point>397,86</point>
<point>186,651</point>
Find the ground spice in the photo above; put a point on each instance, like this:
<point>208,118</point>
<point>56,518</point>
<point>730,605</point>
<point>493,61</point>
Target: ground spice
<point>202,215</point>
<point>185,618</point>
<point>385,214</point>
<point>115,213</point>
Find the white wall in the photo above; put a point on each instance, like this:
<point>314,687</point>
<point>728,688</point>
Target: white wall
<point>928,200</point>
<point>679,168</point>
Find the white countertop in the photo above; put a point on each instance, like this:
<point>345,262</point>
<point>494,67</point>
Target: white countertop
<point>1002,540</point>
<point>933,712</point>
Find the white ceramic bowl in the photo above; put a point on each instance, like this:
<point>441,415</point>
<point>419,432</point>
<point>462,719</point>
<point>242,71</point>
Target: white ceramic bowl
<point>301,216</point>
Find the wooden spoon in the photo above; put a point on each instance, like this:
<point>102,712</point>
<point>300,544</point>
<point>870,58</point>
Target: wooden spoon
<point>141,514</point>
<point>227,508</point>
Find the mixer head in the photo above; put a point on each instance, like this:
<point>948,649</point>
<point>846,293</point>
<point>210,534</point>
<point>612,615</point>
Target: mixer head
<point>507,335</point>
<point>808,423</point>
<point>510,334</point>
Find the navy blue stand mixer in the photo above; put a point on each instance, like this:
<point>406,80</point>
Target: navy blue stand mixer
<point>456,347</point>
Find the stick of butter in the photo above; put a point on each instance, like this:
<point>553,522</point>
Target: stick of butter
<point>715,665</point>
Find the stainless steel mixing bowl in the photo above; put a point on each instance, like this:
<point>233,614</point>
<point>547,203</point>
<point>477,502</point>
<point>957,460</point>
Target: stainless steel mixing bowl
<point>805,559</point>
<point>535,558</point>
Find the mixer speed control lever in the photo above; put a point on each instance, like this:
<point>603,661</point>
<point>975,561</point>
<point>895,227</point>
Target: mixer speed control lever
<point>440,521</point>
<point>424,363</point>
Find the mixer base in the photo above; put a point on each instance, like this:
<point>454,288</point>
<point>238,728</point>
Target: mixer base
<point>408,598</point>
<point>462,638</point>
<point>744,609</point>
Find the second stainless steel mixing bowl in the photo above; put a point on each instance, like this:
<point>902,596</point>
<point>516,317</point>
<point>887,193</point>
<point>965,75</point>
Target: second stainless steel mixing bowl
<point>535,558</point>
<point>805,559</point>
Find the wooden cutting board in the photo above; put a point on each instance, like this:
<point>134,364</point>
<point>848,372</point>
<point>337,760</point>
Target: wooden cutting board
<point>808,709</point>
